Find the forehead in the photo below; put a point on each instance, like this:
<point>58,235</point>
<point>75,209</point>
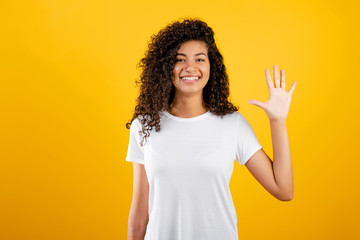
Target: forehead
<point>193,46</point>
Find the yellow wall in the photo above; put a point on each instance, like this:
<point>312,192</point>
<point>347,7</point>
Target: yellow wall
<point>68,71</point>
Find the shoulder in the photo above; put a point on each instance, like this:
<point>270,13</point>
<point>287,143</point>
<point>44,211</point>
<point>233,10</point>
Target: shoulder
<point>229,120</point>
<point>239,117</point>
<point>136,123</point>
<point>233,116</point>
<point>237,120</point>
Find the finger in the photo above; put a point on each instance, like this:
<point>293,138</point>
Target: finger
<point>276,76</point>
<point>257,103</point>
<point>282,71</point>
<point>268,79</point>
<point>292,88</point>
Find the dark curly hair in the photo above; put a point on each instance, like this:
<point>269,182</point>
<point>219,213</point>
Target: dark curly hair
<point>156,88</point>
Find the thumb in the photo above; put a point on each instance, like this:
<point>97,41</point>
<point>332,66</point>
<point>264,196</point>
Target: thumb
<point>256,103</point>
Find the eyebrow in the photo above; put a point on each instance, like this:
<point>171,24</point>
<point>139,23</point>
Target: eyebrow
<point>183,54</point>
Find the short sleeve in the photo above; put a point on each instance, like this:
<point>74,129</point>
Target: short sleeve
<point>135,152</point>
<point>246,142</point>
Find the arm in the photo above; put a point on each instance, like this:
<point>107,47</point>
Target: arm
<point>277,176</point>
<point>282,164</point>
<point>138,216</point>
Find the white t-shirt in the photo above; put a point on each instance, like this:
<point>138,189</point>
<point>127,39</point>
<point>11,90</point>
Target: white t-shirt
<point>189,163</point>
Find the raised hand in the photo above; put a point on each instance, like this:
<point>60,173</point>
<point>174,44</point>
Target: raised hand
<point>277,107</point>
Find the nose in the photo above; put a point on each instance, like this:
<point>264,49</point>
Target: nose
<point>190,66</point>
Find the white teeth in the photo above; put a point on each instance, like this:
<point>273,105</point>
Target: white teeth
<point>190,78</point>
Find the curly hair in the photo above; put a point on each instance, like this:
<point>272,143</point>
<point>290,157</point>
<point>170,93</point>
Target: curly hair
<point>156,88</point>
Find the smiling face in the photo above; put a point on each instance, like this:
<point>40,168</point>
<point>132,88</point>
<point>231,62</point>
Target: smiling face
<point>192,67</point>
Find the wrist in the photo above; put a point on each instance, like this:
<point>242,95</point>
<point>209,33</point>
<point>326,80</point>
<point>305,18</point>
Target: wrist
<point>278,120</point>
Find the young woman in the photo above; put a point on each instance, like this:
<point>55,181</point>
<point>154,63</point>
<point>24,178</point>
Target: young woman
<point>185,136</point>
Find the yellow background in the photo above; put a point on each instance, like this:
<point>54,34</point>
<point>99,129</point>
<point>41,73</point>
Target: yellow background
<point>68,71</point>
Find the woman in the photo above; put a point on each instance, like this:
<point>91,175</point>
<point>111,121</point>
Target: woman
<point>185,136</point>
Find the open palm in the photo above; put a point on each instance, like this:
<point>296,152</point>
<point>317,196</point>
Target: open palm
<point>278,105</point>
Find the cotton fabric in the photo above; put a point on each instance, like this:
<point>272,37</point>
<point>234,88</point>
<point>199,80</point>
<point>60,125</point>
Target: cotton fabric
<point>189,163</point>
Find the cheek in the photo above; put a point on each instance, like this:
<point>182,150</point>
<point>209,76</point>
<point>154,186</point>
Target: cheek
<point>176,71</point>
<point>175,75</point>
<point>206,70</point>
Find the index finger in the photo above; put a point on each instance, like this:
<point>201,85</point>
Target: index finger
<point>268,79</point>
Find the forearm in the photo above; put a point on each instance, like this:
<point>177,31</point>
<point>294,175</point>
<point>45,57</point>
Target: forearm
<point>136,233</point>
<point>282,165</point>
<point>137,224</point>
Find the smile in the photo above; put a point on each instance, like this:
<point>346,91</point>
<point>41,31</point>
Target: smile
<point>189,79</point>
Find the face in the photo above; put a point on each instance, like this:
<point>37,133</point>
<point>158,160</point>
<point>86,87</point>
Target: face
<point>192,67</point>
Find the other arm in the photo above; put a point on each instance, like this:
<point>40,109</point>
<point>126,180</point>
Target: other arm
<point>276,177</point>
<point>138,215</point>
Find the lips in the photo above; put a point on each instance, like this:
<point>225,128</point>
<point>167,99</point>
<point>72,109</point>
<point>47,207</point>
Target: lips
<point>190,79</point>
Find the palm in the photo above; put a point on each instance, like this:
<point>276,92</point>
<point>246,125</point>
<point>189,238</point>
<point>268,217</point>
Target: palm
<point>278,105</point>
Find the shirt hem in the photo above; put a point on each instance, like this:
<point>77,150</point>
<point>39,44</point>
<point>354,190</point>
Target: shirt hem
<point>247,157</point>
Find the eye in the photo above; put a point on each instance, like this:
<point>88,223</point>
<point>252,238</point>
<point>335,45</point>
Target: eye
<point>200,60</point>
<point>179,60</point>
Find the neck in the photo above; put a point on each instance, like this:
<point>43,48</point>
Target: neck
<point>187,106</point>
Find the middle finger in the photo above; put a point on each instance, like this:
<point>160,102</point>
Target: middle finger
<point>276,76</point>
